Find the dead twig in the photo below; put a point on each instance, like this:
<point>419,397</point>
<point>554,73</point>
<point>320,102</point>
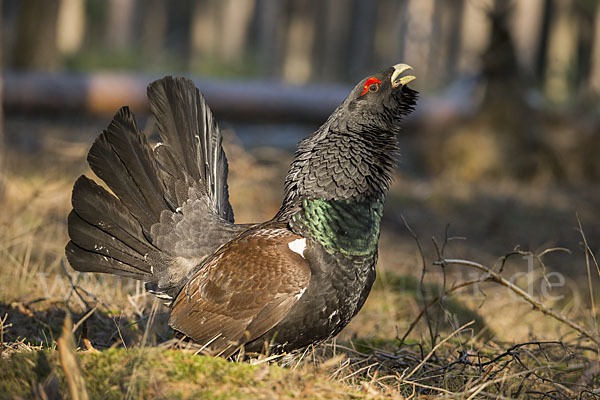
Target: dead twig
<point>3,326</point>
<point>589,253</point>
<point>84,318</point>
<point>436,347</point>
<point>423,273</point>
<point>433,301</point>
<point>70,362</point>
<point>537,305</point>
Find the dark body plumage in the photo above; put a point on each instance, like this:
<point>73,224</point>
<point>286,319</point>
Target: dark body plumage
<point>292,281</point>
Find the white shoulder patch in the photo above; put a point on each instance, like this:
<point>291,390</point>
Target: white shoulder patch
<point>301,293</point>
<point>298,246</point>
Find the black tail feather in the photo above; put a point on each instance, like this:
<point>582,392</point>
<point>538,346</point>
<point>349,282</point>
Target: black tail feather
<point>86,261</point>
<point>122,157</point>
<point>188,128</point>
<point>99,224</point>
<point>99,208</point>
<point>177,181</point>
<point>95,240</point>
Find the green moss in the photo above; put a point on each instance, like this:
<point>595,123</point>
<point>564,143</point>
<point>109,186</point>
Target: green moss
<point>20,372</point>
<point>155,372</point>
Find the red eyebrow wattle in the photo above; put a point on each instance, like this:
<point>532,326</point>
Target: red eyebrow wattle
<point>368,83</point>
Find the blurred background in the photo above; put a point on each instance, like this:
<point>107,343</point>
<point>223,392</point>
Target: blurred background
<point>508,88</point>
<point>503,146</point>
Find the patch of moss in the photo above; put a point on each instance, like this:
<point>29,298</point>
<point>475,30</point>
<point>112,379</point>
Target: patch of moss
<point>20,373</point>
<point>155,372</point>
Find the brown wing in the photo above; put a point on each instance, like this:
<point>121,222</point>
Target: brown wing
<point>244,290</point>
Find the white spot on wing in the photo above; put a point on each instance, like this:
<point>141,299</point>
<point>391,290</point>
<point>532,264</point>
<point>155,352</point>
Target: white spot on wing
<point>333,314</point>
<point>298,246</point>
<point>301,292</point>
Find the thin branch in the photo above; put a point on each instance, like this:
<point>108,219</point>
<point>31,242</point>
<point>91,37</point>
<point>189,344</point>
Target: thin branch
<point>589,253</point>
<point>538,305</point>
<point>587,246</point>
<point>85,317</point>
<point>434,301</point>
<point>464,359</point>
<point>443,268</point>
<point>502,260</point>
<point>423,272</point>
<point>428,356</point>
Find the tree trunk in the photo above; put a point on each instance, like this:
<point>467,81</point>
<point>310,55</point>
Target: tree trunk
<point>526,32</point>
<point>154,29</point>
<point>35,43</point>
<point>203,34</point>
<point>70,26</point>
<point>562,50</point>
<point>269,34</point>
<point>297,67</point>
<point>544,39</point>
<point>586,20</point>
<point>390,33</point>
<point>235,17</point>
<point>2,163</point>
<point>474,36</point>
<point>331,50</point>
<point>595,61</point>
<point>361,39</point>
<point>454,42</point>
<point>119,24</point>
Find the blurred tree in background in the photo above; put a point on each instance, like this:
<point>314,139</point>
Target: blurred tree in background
<point>1,117</point>
<point>556,41</point>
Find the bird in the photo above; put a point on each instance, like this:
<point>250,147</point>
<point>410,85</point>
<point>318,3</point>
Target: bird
<point>281,285</point>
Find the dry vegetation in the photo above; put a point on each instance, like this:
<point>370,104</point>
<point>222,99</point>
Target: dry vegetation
<point>434,326</point>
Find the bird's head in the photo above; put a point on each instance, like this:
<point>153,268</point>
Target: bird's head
<point>378,101</point>
<point>353,153</point>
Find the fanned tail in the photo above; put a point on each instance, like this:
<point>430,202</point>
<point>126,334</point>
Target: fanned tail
<point>169,207</point>
<point>112,234</point>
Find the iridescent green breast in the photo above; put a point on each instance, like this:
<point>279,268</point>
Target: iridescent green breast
<point>350,227</point>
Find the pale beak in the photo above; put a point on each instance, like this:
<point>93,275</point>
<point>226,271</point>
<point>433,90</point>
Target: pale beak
<point>397,78</point>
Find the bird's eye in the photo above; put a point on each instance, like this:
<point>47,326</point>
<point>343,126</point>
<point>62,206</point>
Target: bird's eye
<point>371,85</point>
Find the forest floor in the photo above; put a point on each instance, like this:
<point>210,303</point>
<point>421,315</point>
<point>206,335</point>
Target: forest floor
<point>476,337</point>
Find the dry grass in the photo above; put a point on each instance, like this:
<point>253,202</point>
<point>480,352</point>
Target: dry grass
<point>469,337</point>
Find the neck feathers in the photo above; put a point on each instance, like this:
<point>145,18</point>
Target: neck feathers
<point>349,227</point>
<point>339,164</point>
